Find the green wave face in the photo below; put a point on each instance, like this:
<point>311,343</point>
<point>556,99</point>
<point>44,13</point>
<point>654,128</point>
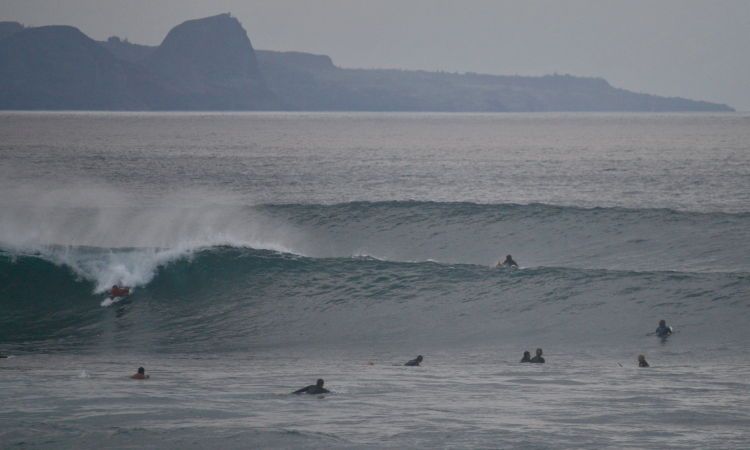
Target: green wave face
<point>224,299</point>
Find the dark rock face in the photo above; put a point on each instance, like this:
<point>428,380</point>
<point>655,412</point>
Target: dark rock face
<point>8,28</point>
<point>308,84</point>
<point>58,67</point>
<point>303,81</point>
<point>205,64</point>
<point>292,60</point>
<point>127,51</point>
<point>211,50</point>
<point>213,62</point>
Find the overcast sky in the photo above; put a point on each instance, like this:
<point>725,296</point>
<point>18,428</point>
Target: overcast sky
<point>688,48</point>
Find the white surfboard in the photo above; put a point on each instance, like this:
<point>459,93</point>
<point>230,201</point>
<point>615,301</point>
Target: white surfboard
<point>110,301</point>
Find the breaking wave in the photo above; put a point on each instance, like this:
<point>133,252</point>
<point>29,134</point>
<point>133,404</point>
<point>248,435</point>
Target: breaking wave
<point>213,276</point>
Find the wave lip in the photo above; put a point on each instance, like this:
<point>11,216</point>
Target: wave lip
<point>110,238</point>
<point>127,245</point>
<point>536,234</point>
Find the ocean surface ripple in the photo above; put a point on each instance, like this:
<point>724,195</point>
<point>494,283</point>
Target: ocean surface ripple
<point>267,250</point>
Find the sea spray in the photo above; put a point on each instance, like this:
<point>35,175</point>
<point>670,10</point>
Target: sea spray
<point>111,239</point>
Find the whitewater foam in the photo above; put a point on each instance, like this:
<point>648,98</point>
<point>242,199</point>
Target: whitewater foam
<point>108,237</point>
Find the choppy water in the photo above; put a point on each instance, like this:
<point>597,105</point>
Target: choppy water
<point>267,250</point>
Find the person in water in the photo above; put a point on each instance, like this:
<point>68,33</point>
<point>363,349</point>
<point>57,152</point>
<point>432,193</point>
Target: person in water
<point>118,291</point>
<point>526,357</point>
<point>538,358</point>
<point>415,361</point>
<point>140,375</point>
<point>663,330</point>
<point>642,361</point>
<point>508,263</point>
<point>316,388</point>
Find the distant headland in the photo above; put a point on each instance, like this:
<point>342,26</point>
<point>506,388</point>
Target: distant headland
<point>210,64</point>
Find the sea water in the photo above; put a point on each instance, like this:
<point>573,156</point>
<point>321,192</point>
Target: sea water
<point>266,250</point>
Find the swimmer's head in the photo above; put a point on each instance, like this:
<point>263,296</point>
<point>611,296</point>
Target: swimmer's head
<point>641,358</point>
<point>320,382</point>
<point>141,370</point>
<point>662,322</point>
<point>419,358</point>
<point>539,352</point>
<point>508,257</point>
<point>526,354</point>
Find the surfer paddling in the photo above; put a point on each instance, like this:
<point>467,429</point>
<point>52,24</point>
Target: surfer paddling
<point>415,362</point>
<point>140,375</point>
<point>313,389</point>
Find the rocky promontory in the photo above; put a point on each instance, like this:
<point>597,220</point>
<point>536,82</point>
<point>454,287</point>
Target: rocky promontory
<point>210,64</point>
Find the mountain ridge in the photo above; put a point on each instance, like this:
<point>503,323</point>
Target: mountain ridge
<point>59,67</point>
<point>210,64</point>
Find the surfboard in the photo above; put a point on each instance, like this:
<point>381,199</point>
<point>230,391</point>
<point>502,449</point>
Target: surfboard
<point>111,301</point>
<point>671,332</point>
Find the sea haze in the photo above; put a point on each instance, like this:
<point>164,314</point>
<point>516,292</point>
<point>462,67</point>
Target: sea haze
<point>267,250</point>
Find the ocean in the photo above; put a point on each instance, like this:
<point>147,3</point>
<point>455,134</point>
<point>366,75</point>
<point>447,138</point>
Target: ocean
<point>267,250</point>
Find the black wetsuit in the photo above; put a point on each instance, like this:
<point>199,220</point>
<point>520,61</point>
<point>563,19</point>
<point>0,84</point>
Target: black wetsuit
<point>509,263</point>
<point>643,364</point>
<point>537,359</point>
<point>413,362</point>
<point>526,358</point>
<point>663,331</point>
<point>312,389</point>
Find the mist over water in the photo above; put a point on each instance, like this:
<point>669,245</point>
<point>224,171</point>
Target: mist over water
<point>110,237</point>
<point>266,250</point>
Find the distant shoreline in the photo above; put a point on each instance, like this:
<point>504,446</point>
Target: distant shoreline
<point>209,64</point>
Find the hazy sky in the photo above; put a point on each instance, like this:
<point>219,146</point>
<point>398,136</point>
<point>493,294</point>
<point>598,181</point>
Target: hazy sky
<point>688,48</point>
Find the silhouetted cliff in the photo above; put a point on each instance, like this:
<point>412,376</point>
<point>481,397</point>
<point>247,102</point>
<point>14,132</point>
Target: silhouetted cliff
<point>213,62</point>
<point>210,64</point>
<point>8,28</point>
<point>312,82</point>
<point>205,64</point>
<point>58,67</point>
<point>127,51</point>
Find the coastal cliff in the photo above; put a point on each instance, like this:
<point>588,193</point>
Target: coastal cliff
<point>210,64</point>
